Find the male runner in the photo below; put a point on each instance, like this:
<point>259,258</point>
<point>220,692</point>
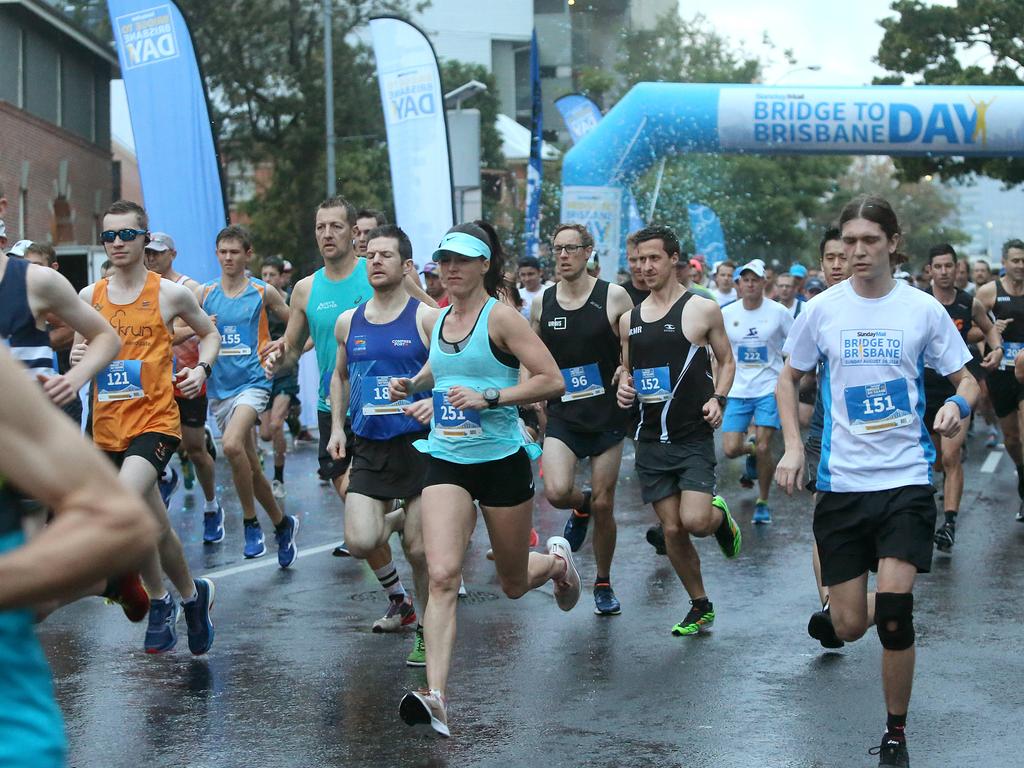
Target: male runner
<point>684,275</point>
<point>135,419</point>
<point>532,283</point>
<point>317,302</point>
<point>724,289</point>
<point>578,321</point>
<point>971,319</point>
<point>238,387</point>
<point>875,508</point>
<point>785,294</point>
<point>367,220</point>
<point>434,287</point>
<point>385,337</point>
<point>757,329</point>
<point>1004,298</point>
<point>636,287</point>
<point>665,344</point>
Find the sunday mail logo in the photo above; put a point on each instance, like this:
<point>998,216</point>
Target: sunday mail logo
<point>147,37</point>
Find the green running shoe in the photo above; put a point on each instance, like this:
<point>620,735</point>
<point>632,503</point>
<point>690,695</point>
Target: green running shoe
<point>418,655</point>
<point>188,474</point>
<point>728,533</point>
<point>698,620</point>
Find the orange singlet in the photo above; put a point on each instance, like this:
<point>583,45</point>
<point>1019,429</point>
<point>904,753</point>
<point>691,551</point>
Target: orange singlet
<point>135,393</point>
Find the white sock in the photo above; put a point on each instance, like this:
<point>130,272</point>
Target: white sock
<point>212,504</point>
<point>388,578</point>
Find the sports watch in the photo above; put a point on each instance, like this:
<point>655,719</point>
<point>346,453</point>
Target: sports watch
<point>722,399</point>
<point>492,396</point>
<point>206,368</point>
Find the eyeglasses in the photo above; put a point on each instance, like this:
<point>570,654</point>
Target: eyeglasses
<point>570,250</point>
<point>126,235</point>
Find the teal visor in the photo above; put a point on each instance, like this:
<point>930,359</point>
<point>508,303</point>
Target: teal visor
<point>463,244</point>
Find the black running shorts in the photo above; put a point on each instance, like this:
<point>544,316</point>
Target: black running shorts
<point>154,447</point>
<point>332,468</point>
<point>388,469</point>
<point>583,444</point>
<point>193,412</point>
<point>665,469</point>
<point>1005,392</point>
<point>506,482</point>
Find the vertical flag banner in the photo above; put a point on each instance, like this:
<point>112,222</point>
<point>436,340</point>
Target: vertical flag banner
<point>581,115</point>
<point>410,93</point>
<point>599,210</point>
<point>708,237</point>
<point>534,171</point>
<point>174,142</point>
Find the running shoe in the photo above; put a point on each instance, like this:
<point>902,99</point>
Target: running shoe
<point>286,549</point>
<point>945,537</point>
<point>161,636</point>
<point>213,526</point>
<point>698,620</point>
<point>188,474</point>
<point>762,512</point>
<point>197,618</point>
<point>425,707</point>
<point>656,538</point>
<point>167,482</point>
<point>534,538</point>
<point>211,444</point>
<point>576,526</point>
<point>728,533</point>
<point>821,629</point>
<point>279,490</point>
<point>127,591</point>
<point>401,613</point>
<point>605,601</point>
<point>892,753</point>
<point>341,551</point>
<point>993,438</point>
<point>255,546</point>
<point>304,436</point>
<point>418,655</point>
<point>567,589</point>
<point>462,588</point>
<point>749,476</point>
<point>1020,512</point>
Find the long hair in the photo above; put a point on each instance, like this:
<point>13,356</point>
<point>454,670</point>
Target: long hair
<point>876,209</point>
<point>494,279</point>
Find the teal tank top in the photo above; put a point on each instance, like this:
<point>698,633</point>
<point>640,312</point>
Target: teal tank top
<point>327,300</point>
<point>472,437</point>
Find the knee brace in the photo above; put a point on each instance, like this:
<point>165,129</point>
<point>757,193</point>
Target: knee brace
<point>894,620</point>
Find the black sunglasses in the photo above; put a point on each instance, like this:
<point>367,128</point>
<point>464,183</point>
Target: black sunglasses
<point>126,235</point>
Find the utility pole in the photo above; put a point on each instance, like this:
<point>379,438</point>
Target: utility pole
<point>332,173</point>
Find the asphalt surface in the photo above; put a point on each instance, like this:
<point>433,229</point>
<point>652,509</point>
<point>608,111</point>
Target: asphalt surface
<point>296,677</point>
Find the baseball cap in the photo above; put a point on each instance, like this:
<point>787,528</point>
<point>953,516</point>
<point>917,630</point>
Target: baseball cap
<point>286,266</point>
<point>814,285</point>
<point>160,241</point>
<point>798,270</point>
<point>430,268</point>
<point>3,229</point>
<point>19,248</point>
<point>754,265</point>
<point>697,264</point>
<point>463,240</point>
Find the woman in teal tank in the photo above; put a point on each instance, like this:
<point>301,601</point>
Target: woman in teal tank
<point>478,452</point>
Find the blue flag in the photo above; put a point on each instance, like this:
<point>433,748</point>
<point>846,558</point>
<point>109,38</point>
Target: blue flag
<point>534,171</point>
<point>708,237</point>
<point>174,143</point>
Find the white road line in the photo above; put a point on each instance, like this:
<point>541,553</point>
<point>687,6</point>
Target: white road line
<point>991,462</point>
<point>267,561</point>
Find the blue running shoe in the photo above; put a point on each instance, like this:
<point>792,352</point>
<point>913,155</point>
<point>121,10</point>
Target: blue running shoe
<point>167,484</point>
<point>197,617</point>
<point>286,549</point>
<point>749,476</point>
<point>213,526</point>
<point>576,526</point>
<point>605,601</point>
<point>762,512</point>
<point>161,636</point>
<point>254,544</point>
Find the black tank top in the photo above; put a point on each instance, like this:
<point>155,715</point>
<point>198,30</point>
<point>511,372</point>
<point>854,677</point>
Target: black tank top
<point>10,508</point>
<point>1007,307</point>
<point>581,337</point>
<point>662,343</point>
<point>961,312</point>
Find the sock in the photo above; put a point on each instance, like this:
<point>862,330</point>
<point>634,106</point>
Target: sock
<point>253,522</point>
<point>279,472</point>
<point>212,504</point>
<point>701,603</point>
<point>895,725</point>
<point>761,501</point>
<point>166,596</point>
<point>602,581</point>
<point>282,526</point>
<point>192,599</point>
<point>388,578</point>
<point>951,517</point>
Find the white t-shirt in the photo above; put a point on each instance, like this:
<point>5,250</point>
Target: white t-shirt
<point>756,337</point>
<point>875,351</point>
<point>529,296</point>
<point>724,298</point>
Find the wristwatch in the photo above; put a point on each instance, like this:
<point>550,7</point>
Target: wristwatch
<point>206,368</point>
<point>722,399</point>
<point>492,396</point>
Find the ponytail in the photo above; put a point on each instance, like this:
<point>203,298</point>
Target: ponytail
<point>494,279</point>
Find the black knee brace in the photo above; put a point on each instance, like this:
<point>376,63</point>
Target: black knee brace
<point>894,620</point>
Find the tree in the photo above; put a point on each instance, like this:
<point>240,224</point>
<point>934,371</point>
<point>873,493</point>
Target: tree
<point>930,43</point>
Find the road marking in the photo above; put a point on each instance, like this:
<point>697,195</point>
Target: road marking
<point>266,561</point>
<point>991,462</point>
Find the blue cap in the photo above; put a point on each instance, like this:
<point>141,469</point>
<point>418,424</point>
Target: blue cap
<point>798,270</point>
<point>463,244</point>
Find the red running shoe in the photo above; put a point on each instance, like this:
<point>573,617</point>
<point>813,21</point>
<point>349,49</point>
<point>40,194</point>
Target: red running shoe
<point>128,592</point>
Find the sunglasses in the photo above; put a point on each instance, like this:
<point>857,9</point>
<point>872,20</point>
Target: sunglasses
<point>126,235</point>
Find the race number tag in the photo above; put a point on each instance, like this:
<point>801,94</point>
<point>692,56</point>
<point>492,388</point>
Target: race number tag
<point>878,407</point>
<point>231,343</point>
<point>752,356</point>
<point>450,421</point>
<point>652,384</point>
<point>375,397</point>
<point>1010,351</point>
<point>121,380</point>
<point>581,382</point>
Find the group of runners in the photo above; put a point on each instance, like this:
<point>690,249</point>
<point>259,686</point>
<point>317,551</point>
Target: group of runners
<point>426,413</point>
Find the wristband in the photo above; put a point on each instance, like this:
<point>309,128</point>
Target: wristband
<point>961,403</point>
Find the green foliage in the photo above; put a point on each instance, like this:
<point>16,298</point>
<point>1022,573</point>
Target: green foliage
<point>930,43</point>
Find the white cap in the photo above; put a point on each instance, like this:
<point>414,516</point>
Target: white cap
<point>754,265</point>
<point>19,248</point>
<point>3,229</point>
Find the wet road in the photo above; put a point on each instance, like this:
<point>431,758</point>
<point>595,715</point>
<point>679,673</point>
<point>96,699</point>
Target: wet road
<point>296,677</point>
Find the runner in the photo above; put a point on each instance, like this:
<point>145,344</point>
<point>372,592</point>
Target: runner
<point>970,318</point>
<point>578,321</point>
<point>99,529</point>
<point>684,276</point>
<point>757,329</point>
<point>434,287</point>
<point>665,344</point>
<point>636,287</point>
<point>367,220</point>
<point>135,420</point>
<point>1004,298</point>
<point>238,388</point>
<point>876,508</point>
<point>531,282</point>
<point>385,337</point>
<point>724,289</point>
<point>785,294</point>
<point>477,453</point>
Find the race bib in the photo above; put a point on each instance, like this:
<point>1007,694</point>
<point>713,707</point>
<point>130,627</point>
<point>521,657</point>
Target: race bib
<point>752,356</point>
<point>652,384</point>
<point>450,421</point>
<point>375,397</point>
<point>1010,351</point>
<point>581,382</point>
<point>231,343</point>
<point>878,407</point>
<point>121,380</point>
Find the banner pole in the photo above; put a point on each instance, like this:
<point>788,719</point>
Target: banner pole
<point>332,174</point>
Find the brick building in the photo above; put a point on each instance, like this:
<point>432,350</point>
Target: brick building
<point>55,152</point>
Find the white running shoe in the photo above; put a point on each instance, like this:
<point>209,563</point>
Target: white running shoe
<point>462,588</point>
<point>567,589</point>
<point>279,490</point>
<point>425,707</point>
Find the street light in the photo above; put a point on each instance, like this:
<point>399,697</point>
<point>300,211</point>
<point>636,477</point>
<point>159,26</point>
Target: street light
<point>808,68</point>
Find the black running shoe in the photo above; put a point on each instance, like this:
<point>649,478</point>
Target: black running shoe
<point>821,629</point>
<point>656,538</point>
<point>892,753</point>
<point>576,526</point>
<point>945,537</point>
